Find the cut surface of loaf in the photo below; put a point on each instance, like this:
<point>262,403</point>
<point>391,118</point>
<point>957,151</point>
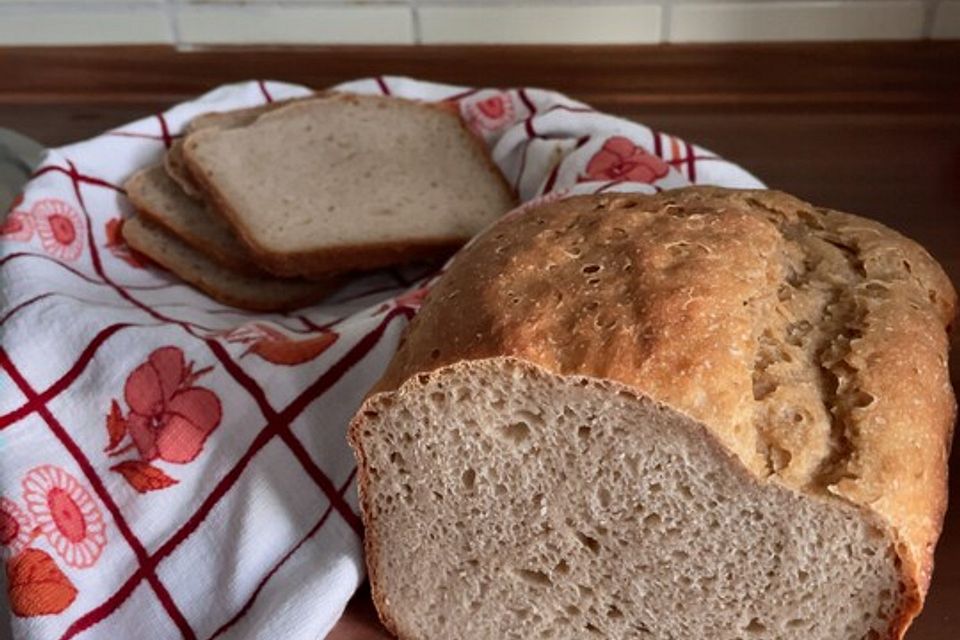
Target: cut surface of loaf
<point>508,502</point>
<point>173,160</point>
<point>254,293</point>
<point>705,413</point>
<point>157,197</point>
<point>344,181</point>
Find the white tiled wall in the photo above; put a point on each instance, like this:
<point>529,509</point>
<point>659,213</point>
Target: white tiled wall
<point>946,21</point>
<point>539,24</point>
<point>190,23</point>
<point>791,20</point>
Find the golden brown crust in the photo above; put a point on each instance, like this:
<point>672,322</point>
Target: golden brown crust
<point>320,263</point>
<point>811,343</point>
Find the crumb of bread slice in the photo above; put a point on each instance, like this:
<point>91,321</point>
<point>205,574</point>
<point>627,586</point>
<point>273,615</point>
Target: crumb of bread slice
<point>173,159</point>
<point>254,293</point>
<point>345,181</point>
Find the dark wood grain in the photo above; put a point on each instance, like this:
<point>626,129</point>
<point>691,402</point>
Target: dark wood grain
<point>915,74</point>
<point>869,128</point>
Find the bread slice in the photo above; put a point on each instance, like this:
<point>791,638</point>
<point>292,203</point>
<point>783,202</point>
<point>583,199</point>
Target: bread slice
<point>219,120</point>
<point>254,293</point>
<point>701,414</point>
<point>159,199</point>
<point>176,169</point>
<point>173,160</point>
<point>344,181</point>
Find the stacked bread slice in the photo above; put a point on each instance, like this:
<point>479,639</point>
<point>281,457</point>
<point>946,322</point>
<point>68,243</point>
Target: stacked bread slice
<point>266,208</point>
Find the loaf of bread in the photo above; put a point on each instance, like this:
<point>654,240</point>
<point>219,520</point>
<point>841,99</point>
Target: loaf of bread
<point>703,414</point>
<point>348,182</point>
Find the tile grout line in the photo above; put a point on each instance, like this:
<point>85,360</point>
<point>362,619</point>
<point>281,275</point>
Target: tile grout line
<point>930,18</point>
<point>172,9</point>
<point>666,19</point>
<point>415,22</point>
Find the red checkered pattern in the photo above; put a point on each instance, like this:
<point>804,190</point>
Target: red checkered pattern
<point>252,530</point>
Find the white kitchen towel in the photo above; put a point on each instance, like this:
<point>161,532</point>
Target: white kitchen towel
<point>170,466</point>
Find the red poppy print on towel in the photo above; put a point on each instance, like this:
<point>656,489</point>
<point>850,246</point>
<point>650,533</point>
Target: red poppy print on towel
<point>65,514</point>
<point>36,585</point>
<point>143,476</point>
<point>60,228</point>
<point>490,114</point>
<point>15,526</point>
<point>19,226</point>
<point>61,510</point>
<point>621,160</point>
<point>277,347</point>
<point>169,418</point>
<point>119,247</point>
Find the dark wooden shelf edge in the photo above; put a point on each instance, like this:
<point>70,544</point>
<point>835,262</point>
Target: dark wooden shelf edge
<point>866,75</point>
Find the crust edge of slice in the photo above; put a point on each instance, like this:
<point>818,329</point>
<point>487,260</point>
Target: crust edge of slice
<point>144,237</point>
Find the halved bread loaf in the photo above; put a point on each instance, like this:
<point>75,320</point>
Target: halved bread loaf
<point>345,181</point>
<point>701,414</point>
<point>255,293</point>
<point>158,198</point>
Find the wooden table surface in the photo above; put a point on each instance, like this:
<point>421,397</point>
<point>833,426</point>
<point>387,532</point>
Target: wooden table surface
<point>871,129</point>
